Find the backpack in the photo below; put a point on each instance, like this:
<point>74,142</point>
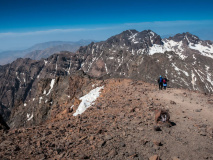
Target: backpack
<point>161,79</point>
<point>164,81</point>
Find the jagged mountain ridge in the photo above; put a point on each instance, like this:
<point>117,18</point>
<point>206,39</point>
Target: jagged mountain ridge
<point>131,54</point>
<point>126,55</point>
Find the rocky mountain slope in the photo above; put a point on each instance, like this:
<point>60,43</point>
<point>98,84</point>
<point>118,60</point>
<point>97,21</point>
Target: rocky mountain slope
<point>120,124</point>
<point>126,55</point>
<point>102,102</point>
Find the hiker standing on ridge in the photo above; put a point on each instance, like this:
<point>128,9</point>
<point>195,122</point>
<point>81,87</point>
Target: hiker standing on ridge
<point>160,82</point>
<point>165,80</point>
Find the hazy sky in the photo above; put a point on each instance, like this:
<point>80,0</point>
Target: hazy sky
<point>26,22</point>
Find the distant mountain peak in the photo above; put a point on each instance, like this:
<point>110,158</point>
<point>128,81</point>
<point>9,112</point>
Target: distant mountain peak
<point>186,36</point>
<point>130,31</point>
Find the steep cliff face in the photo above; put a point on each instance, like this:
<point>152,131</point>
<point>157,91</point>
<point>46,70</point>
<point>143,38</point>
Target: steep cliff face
<point>19,80</point>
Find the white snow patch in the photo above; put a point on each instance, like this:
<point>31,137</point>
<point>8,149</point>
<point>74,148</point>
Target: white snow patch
<point>177,69</point>
<point>207,68</point>
<point>33,99</point>
<point>45,92</point>
<point>88,100</point>
<point>45,62</point>
<point>106,68</point>
<point>209,75</point>
<point>51,86</point>
<point>25,104</point>
<point>111,57</point>
<point>152,33</point>
<point>201,78</point>
<point>133,52</point>
<point>40,98</point>
<point>170,45</point>
<point>132,38</point>
<point>185,81</point>
<point>156,49</point>
<point>90,65</point>
<point>18,77</point>
<point>204,50</point>
<point>193,80</point>
<point>29,117</point>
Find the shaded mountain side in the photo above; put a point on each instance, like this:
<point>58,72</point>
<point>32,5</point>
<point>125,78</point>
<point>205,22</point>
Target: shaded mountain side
<point>119,125</point>
<point>19,79</point>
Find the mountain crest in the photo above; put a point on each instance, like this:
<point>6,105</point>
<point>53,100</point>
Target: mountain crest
<point>185,37</point>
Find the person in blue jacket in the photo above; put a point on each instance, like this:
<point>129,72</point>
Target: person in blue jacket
<point>160,82</point>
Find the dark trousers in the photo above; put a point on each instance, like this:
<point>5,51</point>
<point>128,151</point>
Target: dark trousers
<point>160,86</point>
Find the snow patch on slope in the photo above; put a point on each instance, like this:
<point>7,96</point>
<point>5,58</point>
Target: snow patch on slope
<point>169,45</point>
<point>88,100</point>
<point>51,86</point>
<point>177,69</point>
<point>204,50</point>
<point>193,80</point>
<point>29,117</point>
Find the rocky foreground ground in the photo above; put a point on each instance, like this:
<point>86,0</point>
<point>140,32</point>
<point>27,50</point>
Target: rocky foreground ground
<point>120,125</point>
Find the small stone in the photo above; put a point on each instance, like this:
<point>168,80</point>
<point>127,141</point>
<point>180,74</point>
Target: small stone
<point>102,143</point>
<point>175,158</point>
<point>157,143</point>
<point>198,110</point>
<point>155,157</point>
<point>122,144</point>
<point>17,148</point>
<point>108,137</point>
<point>157,128</point>
<point>112,153</point>
<point>203,133</point>
<point>172,102</point>
<point>140,128</point>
